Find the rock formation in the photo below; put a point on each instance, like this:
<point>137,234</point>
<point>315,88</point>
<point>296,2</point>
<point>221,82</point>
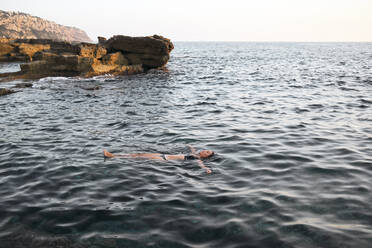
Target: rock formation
<point>16,25</point>
<point>118,55</point>
<point>4,92</point>
<point>151,51</point>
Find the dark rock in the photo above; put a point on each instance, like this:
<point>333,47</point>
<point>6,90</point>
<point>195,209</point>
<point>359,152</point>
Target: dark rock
<point>34,41</point>
<point>14,58</point>
<point>119,55</point>
<point>148,60</point>
<point>64,47</point>
<point>4,92</point>
<point>43,55</point>
<point>101,40</point>
<point>59,64</point>
<point>97,87</point>
<point>150,51</point>
<point>23,85</point>
<point>156,45</point>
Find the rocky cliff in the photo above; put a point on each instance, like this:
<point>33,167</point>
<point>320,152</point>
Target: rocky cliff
<point>16,25</point>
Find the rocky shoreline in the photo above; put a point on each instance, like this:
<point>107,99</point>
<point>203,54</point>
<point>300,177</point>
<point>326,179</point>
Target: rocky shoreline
<point>119,55</point>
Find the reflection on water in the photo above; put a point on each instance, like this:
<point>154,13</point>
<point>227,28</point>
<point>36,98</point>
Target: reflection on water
<point>290,125</point>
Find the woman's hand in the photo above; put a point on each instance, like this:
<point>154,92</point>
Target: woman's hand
<point>202,165</point>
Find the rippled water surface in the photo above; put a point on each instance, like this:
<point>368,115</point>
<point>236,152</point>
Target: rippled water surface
<point>291,125</point>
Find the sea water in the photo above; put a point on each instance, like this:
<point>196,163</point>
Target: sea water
<point>290,123</point>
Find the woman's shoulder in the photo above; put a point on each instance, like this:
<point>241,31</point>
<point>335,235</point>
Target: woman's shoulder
<point>190,157</point>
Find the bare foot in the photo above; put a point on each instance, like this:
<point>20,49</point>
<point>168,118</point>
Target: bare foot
<point>108,154</point>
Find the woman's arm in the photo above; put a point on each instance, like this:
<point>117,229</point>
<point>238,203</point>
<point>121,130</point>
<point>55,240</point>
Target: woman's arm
<point>200,162</point>
<point>193,151</point>
<point>202,165</point>
<point>107,154</point>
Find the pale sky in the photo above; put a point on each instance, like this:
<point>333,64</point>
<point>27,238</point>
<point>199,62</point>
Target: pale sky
<point>210,20</point>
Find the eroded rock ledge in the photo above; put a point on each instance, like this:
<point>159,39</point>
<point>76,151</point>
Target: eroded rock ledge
<point>119,55</point>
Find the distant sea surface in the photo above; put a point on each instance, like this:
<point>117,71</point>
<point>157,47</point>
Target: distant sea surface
<point>290,123</point>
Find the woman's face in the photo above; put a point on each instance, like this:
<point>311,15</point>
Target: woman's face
<point>206,153</point>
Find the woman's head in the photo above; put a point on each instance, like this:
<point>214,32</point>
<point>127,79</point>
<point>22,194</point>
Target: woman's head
<point>206,153</point>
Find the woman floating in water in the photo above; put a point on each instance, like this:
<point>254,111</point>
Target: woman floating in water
<point>193,156</point>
